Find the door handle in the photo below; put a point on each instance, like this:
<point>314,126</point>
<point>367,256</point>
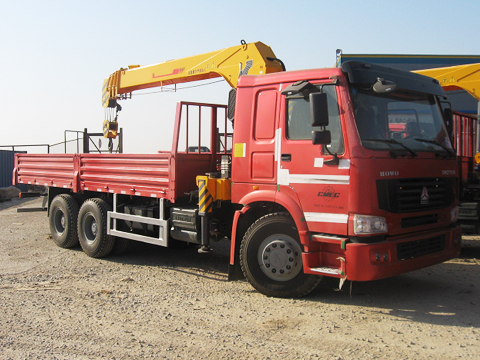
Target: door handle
<point>286,157</point>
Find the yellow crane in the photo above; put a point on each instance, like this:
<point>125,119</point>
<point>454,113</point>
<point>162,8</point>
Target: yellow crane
<point>466,77</point>
<point>230,63</point>
<point>460,77</point>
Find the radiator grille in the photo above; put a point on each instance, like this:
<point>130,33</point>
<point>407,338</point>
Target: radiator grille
<point>413,249</point>
<point>417,194</point>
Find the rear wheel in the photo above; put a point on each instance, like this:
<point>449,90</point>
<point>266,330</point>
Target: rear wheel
<point>92,228</point>
<point>271,258</point>
<point>63,220</point>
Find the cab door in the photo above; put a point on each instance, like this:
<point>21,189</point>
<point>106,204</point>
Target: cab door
<point>319,180</point>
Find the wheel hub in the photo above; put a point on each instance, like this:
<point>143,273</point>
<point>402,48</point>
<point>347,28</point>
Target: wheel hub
<point>90,227</point>
<point>280,259</point>
<point>59,221</point>
<point>94,228</point>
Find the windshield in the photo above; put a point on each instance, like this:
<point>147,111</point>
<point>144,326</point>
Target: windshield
<point>400,121</point>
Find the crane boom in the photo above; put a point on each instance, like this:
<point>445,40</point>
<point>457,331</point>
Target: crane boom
<point>230,63</point>
<point>466,77</point>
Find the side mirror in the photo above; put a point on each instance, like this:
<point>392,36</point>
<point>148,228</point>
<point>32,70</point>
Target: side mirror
<point>321,137</point>
<point>318,109</point>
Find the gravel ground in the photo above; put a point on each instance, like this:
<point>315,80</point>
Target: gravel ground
<point>177,304</point>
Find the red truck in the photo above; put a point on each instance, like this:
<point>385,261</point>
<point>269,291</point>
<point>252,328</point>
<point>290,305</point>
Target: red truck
<point>301,171</point>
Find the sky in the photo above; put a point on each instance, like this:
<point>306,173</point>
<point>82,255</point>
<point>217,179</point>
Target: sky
<point>54,55</point>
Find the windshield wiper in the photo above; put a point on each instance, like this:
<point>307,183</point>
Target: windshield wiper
<point>393,141</point>
<point>436,142</point>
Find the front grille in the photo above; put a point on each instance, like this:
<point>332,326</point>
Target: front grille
<point>413,249</point>
<point>417,194</point>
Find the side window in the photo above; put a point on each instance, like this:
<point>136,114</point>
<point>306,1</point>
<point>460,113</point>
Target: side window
<point>298,120</point>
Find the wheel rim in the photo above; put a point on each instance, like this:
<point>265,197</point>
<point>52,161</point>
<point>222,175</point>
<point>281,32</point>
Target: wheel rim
<point>89,228</point>
<point>280,257</point>
<point>59,221</point>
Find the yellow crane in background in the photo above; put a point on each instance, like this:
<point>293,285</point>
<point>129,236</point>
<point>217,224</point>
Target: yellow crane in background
<point>460,77</point>
<point>230,63</point>
<point>466,77</point>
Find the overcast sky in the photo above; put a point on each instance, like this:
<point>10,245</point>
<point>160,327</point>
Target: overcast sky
<point>54,55</point>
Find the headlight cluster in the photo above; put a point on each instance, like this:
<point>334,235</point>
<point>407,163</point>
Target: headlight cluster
<point>364,225</point>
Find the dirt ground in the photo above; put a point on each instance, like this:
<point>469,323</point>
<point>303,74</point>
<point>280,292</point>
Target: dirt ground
<point>163,303</point>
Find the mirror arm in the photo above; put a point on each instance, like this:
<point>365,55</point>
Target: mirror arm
<point>334,161</point>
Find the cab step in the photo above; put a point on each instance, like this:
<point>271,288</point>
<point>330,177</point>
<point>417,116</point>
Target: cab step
<point>328,271</point>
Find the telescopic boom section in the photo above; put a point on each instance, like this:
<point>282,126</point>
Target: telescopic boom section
<point>253,58</point>
<point>466,77</point>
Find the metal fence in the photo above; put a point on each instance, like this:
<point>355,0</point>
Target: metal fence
<point>83,141</point>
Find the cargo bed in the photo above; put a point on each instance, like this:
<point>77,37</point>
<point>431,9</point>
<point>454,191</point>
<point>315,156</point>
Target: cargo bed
<point>167,174</point>
<point>151,175</point>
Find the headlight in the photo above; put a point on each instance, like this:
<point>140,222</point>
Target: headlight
<point>454,214</point>
<point>364,225</point>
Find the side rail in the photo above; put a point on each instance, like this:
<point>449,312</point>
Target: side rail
<point>57,170</point>
<point>127,174</point>
<point>139,219</point>
<point>138,175</point>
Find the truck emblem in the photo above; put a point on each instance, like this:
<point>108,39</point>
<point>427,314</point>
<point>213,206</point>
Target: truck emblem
<point>328,193</point>
<point>424,196</point>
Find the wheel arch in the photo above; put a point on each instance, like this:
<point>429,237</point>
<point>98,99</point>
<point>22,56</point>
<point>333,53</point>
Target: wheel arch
<point>256,205</point>
<point>281,201</point>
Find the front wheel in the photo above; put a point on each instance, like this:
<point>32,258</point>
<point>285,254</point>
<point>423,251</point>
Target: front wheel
<point>271,258</point>
<point>92,228</point>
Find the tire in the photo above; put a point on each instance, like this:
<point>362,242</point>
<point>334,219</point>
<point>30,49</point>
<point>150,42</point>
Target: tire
<point>63,221</point>
<point>92,228</point>
<point>121,246</point>
<point>271,258</point>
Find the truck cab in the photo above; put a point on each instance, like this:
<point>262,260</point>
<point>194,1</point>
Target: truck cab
<point>372,191</point>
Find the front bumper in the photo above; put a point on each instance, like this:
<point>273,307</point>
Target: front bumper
<point>397,255</point>
<point>366,262</point>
